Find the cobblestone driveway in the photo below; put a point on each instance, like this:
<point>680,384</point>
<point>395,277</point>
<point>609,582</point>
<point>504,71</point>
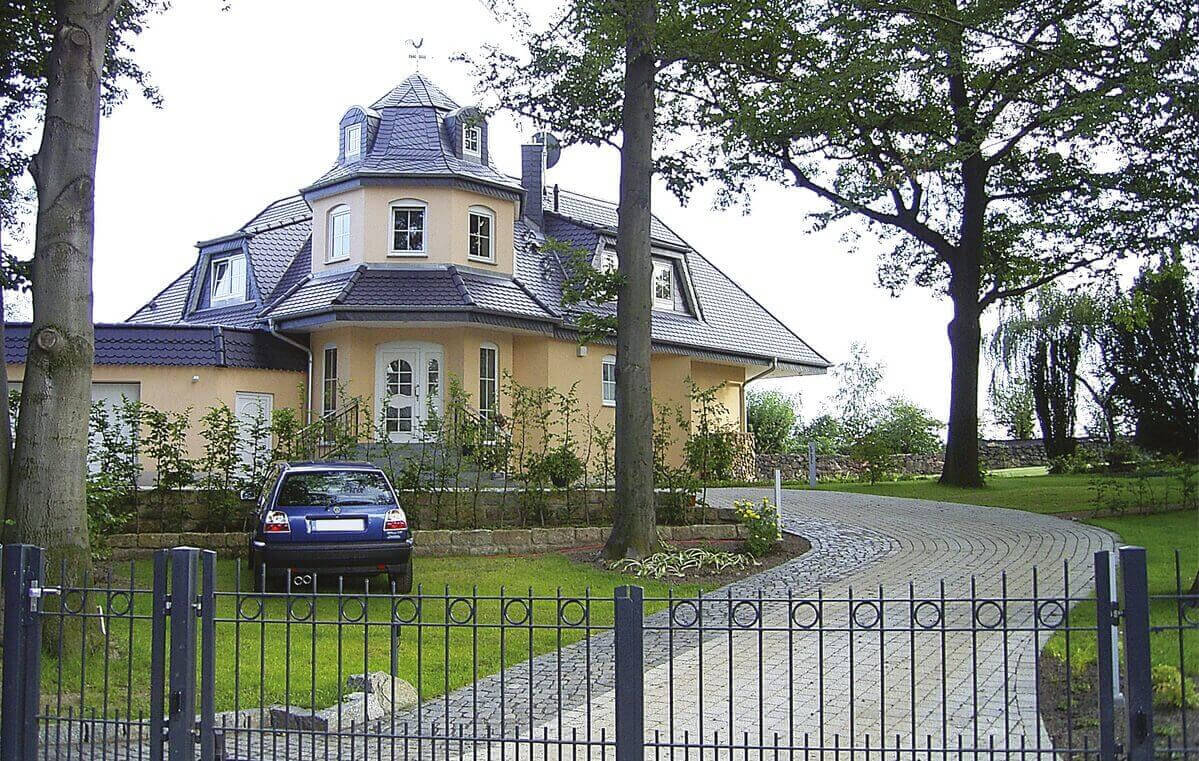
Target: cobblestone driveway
<point>930,677</point>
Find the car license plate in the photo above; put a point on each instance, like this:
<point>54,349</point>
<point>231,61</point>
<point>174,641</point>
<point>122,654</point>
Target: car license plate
<point>338,524</point>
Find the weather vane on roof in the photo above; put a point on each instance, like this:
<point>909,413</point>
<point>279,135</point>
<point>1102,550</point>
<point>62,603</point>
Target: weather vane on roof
<point>416,55</point>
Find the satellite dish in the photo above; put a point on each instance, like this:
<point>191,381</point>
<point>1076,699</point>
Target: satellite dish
<point>553,147</point>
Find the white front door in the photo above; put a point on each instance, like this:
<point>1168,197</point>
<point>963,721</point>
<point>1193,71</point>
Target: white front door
<point>253,410</point>
<point>409,386</point>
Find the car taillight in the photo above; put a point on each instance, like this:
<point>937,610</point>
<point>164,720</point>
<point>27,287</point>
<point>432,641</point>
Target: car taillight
<point>276,523</point>
<point>395,521</point>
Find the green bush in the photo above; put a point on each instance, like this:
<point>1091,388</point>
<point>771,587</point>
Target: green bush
<point>877,455</point>
<point>770,417</point>
<point>761,521</point>
<point>676,563</point>
<point>1171,689</point>
<point>1079,462</point>
<point>561,467</point>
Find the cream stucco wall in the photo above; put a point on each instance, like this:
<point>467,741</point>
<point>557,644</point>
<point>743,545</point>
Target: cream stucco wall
<point>446,223</point>
<point>178,388</point>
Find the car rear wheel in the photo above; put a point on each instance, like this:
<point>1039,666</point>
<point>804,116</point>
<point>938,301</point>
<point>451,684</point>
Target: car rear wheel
<point>402,580</point>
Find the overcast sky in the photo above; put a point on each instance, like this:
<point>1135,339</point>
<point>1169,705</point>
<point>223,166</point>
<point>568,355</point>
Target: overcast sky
<point>253,99</point>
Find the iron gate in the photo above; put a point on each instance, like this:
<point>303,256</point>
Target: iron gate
<point>183,659</point>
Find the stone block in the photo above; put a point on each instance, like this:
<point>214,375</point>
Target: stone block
<point>473,538</point>
<point>590,536</point>
<point>512,536</point>
<point>554,537</point>
<point>433,538</point>
<point>157,541</point>
<point>121,541</point>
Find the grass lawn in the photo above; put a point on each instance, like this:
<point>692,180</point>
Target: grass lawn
<point>1035,493</point>
<point>305,662</point>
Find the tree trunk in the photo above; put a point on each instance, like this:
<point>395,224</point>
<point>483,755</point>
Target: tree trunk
<point>965,337</point>
<point>634,530</point>
<point>5,421</point>
<point>47,497</point>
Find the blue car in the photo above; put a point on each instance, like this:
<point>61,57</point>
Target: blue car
<point>318,519</point>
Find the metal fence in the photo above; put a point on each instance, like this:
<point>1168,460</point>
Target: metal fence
<point>180,658</point>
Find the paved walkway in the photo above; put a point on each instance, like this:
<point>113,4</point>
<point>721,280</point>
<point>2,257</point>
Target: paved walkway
<point>910,623</point>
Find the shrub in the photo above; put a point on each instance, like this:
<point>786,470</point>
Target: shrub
<point>109,509</point>
<point>875,452</point>
<point>1171,689</point>
<point>560,466</point>
<point>770,416</point>
<point>1080,461</point>
<point>711,448</point>
<point>761,524</point>
<point>166,433</point>
<point>906,427</point>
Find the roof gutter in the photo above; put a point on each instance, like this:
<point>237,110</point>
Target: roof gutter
<point>270,326</point>
<point>774,365</point>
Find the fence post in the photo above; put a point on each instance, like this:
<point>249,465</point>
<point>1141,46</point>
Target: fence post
<point>812,464</point>
<point>1136,654</point>
<point>24,570</point>
<point>630,674</point>
<point>1107,632</point>
<point>181,672</point>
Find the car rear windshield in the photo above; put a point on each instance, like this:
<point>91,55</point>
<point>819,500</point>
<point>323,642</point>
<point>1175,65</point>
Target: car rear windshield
<point>335,487</point>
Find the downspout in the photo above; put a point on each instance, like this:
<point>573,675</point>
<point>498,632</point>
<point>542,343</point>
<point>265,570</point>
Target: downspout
<point>774,365</point>
<point>270,326</point>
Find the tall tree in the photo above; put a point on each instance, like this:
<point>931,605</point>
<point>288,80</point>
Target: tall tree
<point>591,75</point>
<point>634,527</point>
<point>993,145</point>
<point>42,46</point>
<point>1043,346</point>
<point>1151,349</point>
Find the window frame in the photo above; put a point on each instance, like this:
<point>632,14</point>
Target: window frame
<point>337,212</point>
<point>476,131</point>
<point>491,394</point>
<point>346,142</point>
<point>327,379</point>
<point>665,305</point>
<point>408,204</point>
<point>233,297</point>
<point>609,261</point>
<point>489,215</point>
<point>608,361</point>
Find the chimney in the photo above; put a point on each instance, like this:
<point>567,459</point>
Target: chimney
<point>532,179</point>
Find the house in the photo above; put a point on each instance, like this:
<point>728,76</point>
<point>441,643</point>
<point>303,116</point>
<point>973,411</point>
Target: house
<point>412,258</point>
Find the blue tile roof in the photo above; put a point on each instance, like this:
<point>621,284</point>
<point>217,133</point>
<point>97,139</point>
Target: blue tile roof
<point>174,345</point>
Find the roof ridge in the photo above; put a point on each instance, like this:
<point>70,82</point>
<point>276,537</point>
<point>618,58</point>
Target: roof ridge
<point>534,297</point>
<point>352,281</point>
<point>460,283</point>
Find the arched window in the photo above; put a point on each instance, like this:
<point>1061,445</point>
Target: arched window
<point>481,234</point>
<point>338,246</point>
<point>409,227</point>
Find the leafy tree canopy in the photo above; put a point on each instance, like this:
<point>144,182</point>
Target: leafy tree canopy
<point>771,417</point>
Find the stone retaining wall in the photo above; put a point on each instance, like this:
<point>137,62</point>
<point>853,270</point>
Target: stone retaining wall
<point>993,455</point>
<point>434,543</point>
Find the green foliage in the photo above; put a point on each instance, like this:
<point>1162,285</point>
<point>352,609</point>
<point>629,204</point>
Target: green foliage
<point>830,435</point>
<point>1012,407</point>
<point>218,466</point>
<point>859,380</point>
<point>676,563</point>
<point>904,427</point>
<point>255,439</point>
<point>109,510</point>
<point>1171,689</point>
<point>166,434</point>
<point>1151,348</point>
<point>761,521</point>
<point>679,483</point>
<point>585,288</point>
<point>115,443</point>
<point>712,446</point>
<point>285,425</point>
<point>770,417</point>
<point>560,466</point>
<point>876,454</point>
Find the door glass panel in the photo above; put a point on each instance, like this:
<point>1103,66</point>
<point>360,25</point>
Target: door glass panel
<point>392,378</point>
<point>405,378</point>
<point>405,419</point>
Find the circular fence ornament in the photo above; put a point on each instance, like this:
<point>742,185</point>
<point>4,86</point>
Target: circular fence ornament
<point>523,612</point>
<point>684,614</point>
<point>801,619</point>
<point>572,616</point>
<point>405,610</point>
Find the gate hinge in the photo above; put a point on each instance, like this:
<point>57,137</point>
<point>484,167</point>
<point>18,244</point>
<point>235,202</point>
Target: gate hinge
<point>1117,614</point>
<point>37,592</point>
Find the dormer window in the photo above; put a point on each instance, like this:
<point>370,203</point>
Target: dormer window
<point>228,280</point>
<point>472,139</point>
<point>352,142</point>
<point>663,286</point>
<point>482,244</point>
<point>608,261</point>
<point>338,247</point>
